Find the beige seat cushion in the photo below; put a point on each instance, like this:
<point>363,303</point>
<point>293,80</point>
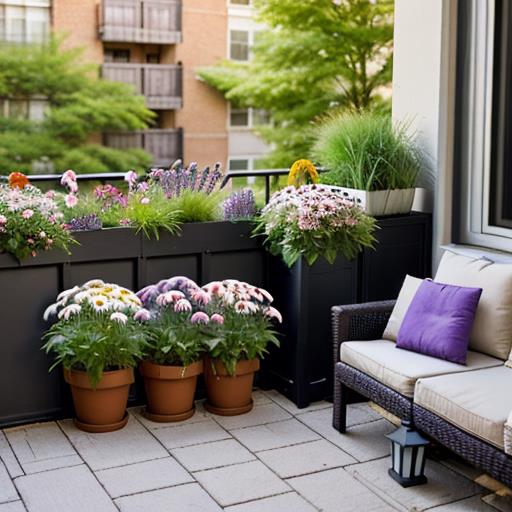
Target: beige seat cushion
<point>478,402</point>
<point>492,328</point>
<point>400,369</point>
<point>407,293</point>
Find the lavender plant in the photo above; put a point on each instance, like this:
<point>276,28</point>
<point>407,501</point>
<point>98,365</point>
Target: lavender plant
<point>89,222</point>
<point>240,205</point>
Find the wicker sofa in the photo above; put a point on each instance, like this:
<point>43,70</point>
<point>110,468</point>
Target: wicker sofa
<point>468,408</point>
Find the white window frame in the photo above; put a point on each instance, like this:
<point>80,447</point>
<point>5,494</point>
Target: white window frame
<point>475,158</point>
<point>251,124</point>
<point>251,159</point>
<point>28,7</point>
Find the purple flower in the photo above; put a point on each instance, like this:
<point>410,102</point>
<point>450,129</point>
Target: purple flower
<point>199,318</point>
<point>131,178</point>
<point>85,223</point>
<point>143,315</point>
<point>240,205</point>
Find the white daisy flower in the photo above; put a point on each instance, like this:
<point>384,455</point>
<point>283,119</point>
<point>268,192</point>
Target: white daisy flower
<point>72,309</point>
<point>94,283</point>
<point>99,303</point>
<point>119,317</point>
<point>63,296</point>
<point>51,310</point>
<point>81,296</point>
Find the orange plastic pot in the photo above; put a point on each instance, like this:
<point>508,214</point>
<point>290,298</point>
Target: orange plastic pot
<point>103,408</point>
<point>229,395</point>
<point>170,390</point>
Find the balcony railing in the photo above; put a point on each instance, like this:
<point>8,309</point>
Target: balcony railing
<point>141,21</point>
<point>161,84</point>
<point>165,145</point>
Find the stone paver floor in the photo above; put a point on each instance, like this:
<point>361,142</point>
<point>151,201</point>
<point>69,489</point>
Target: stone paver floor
<point>277,458</point>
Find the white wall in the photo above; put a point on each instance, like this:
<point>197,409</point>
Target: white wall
<point>423,96</point>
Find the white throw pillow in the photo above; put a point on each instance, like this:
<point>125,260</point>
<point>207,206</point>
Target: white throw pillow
<point>407,293</point>
<point>492,328</point>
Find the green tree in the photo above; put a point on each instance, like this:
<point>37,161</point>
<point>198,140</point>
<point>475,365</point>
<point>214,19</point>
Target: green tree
<point>316,56</point>
<point>80,105</point>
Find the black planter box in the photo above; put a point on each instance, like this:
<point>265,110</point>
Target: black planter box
<point>202,251</point>
<point>302,369</point>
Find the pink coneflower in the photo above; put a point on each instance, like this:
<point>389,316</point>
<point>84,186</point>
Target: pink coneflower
<point>71,200</point>
<point>200,296</point>
<point>119,317</point>
<point>199,318</point>
<point>3,220</point>
<point>217,319</point>
<point>245,307</point>
<point>144,200</point>
<point>143,315</point>
<point>130,177</point>
<point>26,214</point>
<point>215,288</point>
<point>273,313</point>
<point>182,306</point>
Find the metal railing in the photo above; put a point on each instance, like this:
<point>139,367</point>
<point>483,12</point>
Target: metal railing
<point>161,84</point>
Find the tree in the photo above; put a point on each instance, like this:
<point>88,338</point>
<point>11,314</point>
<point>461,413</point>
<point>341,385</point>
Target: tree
<point>80,105</point>
<point>316,56</point>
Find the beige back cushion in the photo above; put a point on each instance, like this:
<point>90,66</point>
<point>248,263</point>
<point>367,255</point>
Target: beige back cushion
<point>407,293</point>
<point>492,328</point>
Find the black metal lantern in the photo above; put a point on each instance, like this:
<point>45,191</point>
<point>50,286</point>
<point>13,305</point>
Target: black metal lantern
<point>407,456</point>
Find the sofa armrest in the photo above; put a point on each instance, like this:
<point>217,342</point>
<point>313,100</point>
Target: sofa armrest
<point>359,322</point>
<point>508,435</point>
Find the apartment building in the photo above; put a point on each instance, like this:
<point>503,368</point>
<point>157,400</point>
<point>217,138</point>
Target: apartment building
<point>245,148</point>
<point>157,46</point>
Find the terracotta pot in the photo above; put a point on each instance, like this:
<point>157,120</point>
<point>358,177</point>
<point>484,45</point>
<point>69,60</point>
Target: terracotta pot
<point>100,409</point>
<point>229,395</point>
<point>170,390</point>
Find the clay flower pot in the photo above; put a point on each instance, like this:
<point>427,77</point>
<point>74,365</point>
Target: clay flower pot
<point>229,395</point>
<point>100,409</point>
<point>170,390</point>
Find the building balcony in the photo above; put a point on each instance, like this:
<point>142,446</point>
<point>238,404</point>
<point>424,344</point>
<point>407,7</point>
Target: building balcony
<point>165,145</point>
<point>161,84</point>
<point>141,21</point>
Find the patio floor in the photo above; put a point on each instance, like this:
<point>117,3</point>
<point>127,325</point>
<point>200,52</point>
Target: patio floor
<point>275,459</point>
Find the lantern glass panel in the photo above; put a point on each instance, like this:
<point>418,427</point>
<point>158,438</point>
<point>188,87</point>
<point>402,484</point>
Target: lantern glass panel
<point>407,462</point>
<point>419,461</point>
<point>396,457</point>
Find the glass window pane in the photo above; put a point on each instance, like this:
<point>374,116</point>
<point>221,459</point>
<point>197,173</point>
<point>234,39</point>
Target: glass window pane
<point>238,164</point>
<point>239,48</point>
<point>240,2</point>
<point>18,109</point>
<point>260,116</point>
<point>239,117</point>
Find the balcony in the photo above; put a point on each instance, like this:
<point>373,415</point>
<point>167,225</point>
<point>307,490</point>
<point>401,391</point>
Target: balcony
<point>141,21</point>
<point>165,145</point>
<point>161,84</point>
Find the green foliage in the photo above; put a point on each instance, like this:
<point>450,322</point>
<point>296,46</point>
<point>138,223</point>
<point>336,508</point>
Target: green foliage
<point>367,152</point>
<point>196,206</point>
<point>316,57</point>
<point>173,340</point>
<point>241,336</point>
<point>150,217</point>
<point>93,343</point>
<point>80,105</point>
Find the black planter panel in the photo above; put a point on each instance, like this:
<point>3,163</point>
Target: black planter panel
<point>246,266</point>
<point>165,267</point>
<point>122,272</point>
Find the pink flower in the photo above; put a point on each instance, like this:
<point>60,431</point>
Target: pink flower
<point>144,200</point>
<point>143,315</point>
<point>201,297</point>
<point>125,222</point>
<point>130,177</point>
<point>182,306</point>
<point>52,219</point>
<point>167,298</point>
<point>27,214</point>
<point>30,241</point>
<point>143,187</point>
<point>199,318</point>
<point>34,254</point>
<point>217,319</point>
<point>245,307</point>
<point>42,234</point>
<point>69,180</point>
<point>3,220</point>
<point>71,200</point>
<point>271,312</point>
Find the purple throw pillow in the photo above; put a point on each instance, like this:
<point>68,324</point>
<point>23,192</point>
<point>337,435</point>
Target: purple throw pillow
<point>439,321</point>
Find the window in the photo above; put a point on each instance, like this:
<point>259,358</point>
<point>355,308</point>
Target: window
<point>239,45</point>
<point>24,24</point>
<point>483,130</point>
<point>240,2</point>
<point>239,117</point>
<point>116,55</point>
<point>239,164</point>
<point>34,109</point>
<point>260,117</point>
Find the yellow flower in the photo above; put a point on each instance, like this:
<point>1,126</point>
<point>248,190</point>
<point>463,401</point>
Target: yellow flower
<point>301,173</point>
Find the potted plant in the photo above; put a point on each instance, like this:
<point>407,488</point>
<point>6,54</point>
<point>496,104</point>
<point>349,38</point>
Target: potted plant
<point>240,328</point>
<point>98,342</point>
<point>370,160</point>
<point>174,350</point>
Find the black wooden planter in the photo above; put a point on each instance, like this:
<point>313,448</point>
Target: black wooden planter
<point>302,368</point>
<point>203,252</point>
